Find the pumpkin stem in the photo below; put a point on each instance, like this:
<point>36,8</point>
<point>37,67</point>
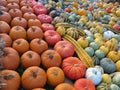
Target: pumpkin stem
<point>12,3</point>
<point>18,42</point>
<point>30,55</point>
<point>55,72</point>
<point>75,65</point>
<point>34,74</point>
<point>1,13</point>
<point>17,28</point>
<point>9,76</point>
<point>14,10</point>
<point>20,18</point>
<point>33,29</point>
<point>39,41</point>
<point>50,56</point>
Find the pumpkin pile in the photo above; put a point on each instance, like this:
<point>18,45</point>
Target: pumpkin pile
<point>59,45</point>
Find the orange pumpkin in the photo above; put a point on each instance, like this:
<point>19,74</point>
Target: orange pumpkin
<point>10,58</point>
<point>15,13</point>
<point>26,8</point>
<point>17,32</point>
<point>19,21</point>
<point>25,2</point>
<point>73,68</point>
<point>34,32</point>
<point>55,76</point>
<point>64,86</point>
<point>38,45</point>
<point>51,58</point>
<point>4,27</point>
<point>34,22</point>
<point>12,5</point>
<point>21,45</point>
<point>82,12</point>
<point>11,78</point>
<point>5,16</point>
<point>2,8</point>
<point>29,15</point>
<point>84,84</point>
<point>30,58</point>
<point>33,77</point>
<point>15,1</point>
<point>39,89</point>
<point>7,39</point>
<point>3,2</point>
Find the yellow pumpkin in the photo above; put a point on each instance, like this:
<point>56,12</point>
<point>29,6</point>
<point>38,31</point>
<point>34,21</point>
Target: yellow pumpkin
<point>118,65</point>
<point>82,12</point>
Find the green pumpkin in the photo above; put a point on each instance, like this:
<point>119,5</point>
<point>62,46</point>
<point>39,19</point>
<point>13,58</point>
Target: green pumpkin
<point>103,86</point>
<point>108,65</point>
<point>114,87</point>
<point>116,79</point>
<point>96,60</point>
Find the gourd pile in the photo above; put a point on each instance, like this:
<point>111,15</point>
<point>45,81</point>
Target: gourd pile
<point>59,45</point>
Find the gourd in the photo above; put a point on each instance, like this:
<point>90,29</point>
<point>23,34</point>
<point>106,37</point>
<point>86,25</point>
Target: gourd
<point>116,79</point>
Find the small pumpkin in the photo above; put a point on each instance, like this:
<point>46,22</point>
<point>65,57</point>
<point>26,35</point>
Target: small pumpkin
<point>108,65</point>
<point>30,58</point>
<point>6,38</point>
<point>11,79</point>
<point>55,76</point>
<point>15,1</point>
<point>116,79</point>
<point>33,77</point>
<point>17,32</point>
<point>12,5</point>
<point>38,45</point>
<point>26,8</point>
<point>29,15</point>
<point>3,2</point>
<point>21,45</point>
<point>64,86</point>
<point>73,68</point>
<point>51,58</point>
<point>84,84</point>
<point>82,12</point>
<point>34,32</point>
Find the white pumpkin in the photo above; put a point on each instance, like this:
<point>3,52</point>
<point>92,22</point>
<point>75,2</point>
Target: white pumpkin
<point>108,34</point>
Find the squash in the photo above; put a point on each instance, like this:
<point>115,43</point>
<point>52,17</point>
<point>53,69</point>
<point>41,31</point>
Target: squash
<point>116,79</point>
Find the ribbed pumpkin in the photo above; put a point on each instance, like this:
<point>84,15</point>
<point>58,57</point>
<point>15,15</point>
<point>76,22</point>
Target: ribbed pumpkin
<point>73,68</point>
<point>108,65</point>
<point>84,84</point>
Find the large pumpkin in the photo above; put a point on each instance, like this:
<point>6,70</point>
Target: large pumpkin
<point>33,77</point>
<point>84,84</point>
<point>11,78</point>
<point>30,58</point>
<point>55,76</point>
<point>51,58</point>
<point>10,58</point>
<point>73,68</point>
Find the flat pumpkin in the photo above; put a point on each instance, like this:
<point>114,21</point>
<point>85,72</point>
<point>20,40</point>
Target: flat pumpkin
<point>73,68</point>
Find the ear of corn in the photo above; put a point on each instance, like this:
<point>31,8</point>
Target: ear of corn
<point>84,57</point>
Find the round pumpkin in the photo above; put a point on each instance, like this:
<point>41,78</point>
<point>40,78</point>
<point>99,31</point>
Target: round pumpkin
<point>30,58</point>
<point>34,32</point>
<point>29,15</point>
<point>26,8</point>
<point>64,86</point>
<point>17,32</point>
<point>34,22</point>
<point>55,76</point>
<point>10,58</point>
<point>73,68</point>
<point>19,21</point>
<point>84,84</point>
<point>15,1</point>
<point>11,78</point>
<point>33,77</point>
<point>25,2</point>
<point>51,58</point>
<point>4,27</point>
<point>82,12</point>
<point>15,13</point>
<point>6,38</point>
<point>21,45</point>
<point>5,16</point>
<point>12,5</point>
<point>116,79</point>
<point>38,45</point>
<point>3,2</point>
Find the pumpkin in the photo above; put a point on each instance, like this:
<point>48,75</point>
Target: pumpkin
<point>30,58</point>
<point>103,86</point>
<point>11,78</point>
<point>118,65</point>
<point>26,8</point>
<point>51,58</point>
<point>15,13</point>
<point>2,8</point>
<point>17,32</point>
<point>73,68</point>
<point>6,38</point>
<point>21,45</point>
<point>4,27</point>
<point>34,22</point>
<point>82,12</point>
<point>55,76</point>
<point>19,21</point>
<point>12,5</point>
<point>5,16</point>
<point>95,60</point>
<point>38,89</point>
<point>38,45</point>
<point>34,32</point>
<point>10,58</point>
<point>3,2</point>
<point>64,86</point>
<point>33,77</point>
<point>25,2</point>
<point>108,65</point>
<point>29,15</point>
<point>114,87</point>
<point>116,79</point>
<point>15,1</point>
<point>84,84</point>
